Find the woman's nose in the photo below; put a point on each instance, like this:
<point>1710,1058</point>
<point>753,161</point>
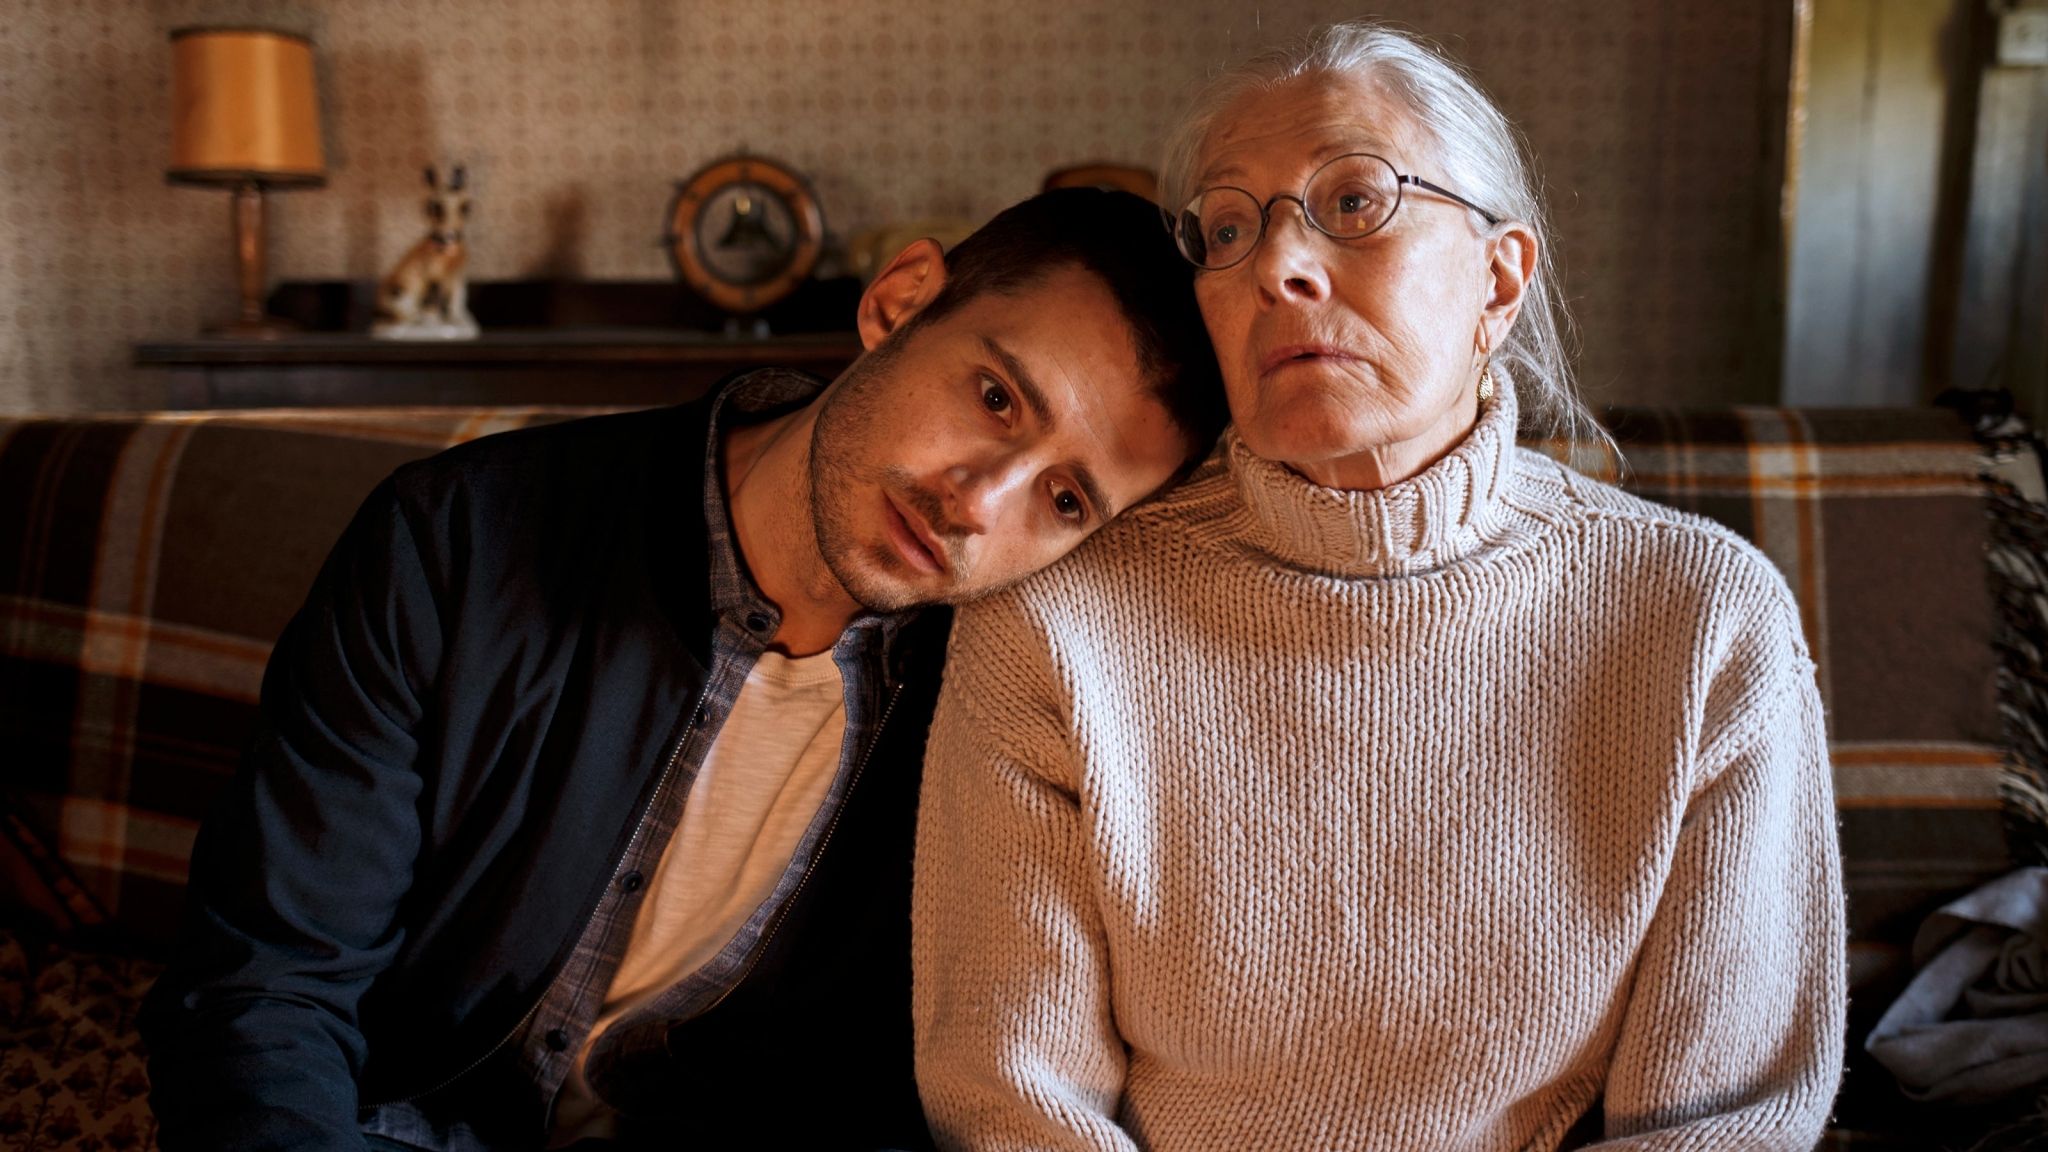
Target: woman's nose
<point>1288,265</point>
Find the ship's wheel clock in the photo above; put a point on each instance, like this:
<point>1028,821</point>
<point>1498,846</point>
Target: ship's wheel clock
<point>745,231</point>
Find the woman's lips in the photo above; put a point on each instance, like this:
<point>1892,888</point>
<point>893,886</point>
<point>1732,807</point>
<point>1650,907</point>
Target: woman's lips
<point>1287,354</point>
<point>913,540</point>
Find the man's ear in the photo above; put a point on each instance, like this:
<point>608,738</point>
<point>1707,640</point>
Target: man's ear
<point>901,290</point>
<point>1510,266</point>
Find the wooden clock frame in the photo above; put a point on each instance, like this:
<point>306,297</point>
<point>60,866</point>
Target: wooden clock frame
<point>804,210</point>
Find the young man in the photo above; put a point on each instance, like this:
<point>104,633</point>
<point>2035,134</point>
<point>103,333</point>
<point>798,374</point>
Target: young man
<point>583,803</point>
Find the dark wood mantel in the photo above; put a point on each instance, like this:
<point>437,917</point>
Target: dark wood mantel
<point>539,346</point>
<point>583,366</point>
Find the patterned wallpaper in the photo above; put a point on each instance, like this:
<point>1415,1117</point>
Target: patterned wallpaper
<point>1653,124</point>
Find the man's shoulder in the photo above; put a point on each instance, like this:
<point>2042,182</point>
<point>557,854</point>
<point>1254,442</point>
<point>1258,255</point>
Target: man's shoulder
<point>565,451</point>
<point>554,498</point>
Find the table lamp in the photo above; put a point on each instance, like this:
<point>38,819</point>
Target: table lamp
<point>244,115</point>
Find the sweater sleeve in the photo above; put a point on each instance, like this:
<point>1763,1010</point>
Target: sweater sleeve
<point>1733,1032</point>
<point>299,869</point>
<point>1016,1044</point>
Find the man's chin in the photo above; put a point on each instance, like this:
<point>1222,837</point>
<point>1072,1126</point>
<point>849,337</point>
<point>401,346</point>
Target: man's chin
<point>876,597</point>
<point>896,596</point>
<point>877,587</point>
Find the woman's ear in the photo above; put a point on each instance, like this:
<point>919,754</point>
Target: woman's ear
<point>1510,266</point>
<point>902,289</point>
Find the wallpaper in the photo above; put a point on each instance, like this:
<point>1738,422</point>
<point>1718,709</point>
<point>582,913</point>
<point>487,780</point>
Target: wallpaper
<point>1655,126</point>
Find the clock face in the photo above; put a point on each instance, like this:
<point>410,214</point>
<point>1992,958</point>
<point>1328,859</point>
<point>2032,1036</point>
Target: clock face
<point>746,234</point>
<point>745,231</point>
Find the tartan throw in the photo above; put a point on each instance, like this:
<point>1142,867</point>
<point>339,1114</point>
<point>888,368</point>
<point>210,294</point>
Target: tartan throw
<point>147,563</point>
<point>2019,581</point>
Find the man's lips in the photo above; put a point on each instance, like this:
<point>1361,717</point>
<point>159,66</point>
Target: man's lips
<point>1300,353</point>
<point>914,540</point>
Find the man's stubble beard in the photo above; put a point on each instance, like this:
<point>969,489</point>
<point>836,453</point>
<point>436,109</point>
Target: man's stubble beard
<point>850,420</point>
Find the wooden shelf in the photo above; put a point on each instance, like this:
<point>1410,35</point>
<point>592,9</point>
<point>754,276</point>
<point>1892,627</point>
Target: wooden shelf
<point>556,356</point>
<point>621,367</point>
<point>597,346</point>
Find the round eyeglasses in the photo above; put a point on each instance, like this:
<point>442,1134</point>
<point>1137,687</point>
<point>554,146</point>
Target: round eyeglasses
<point>1349,198</point>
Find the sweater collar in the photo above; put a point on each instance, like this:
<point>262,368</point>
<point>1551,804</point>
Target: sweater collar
<point>1448,511</point>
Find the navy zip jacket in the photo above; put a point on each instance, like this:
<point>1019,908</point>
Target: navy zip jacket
<point>460,729</point>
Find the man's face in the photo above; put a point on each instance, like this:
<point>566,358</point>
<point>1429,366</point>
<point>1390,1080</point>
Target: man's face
<point>969,452</point>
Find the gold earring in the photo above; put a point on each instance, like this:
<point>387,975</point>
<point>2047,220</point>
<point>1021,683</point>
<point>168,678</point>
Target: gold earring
<point>1485,384</point>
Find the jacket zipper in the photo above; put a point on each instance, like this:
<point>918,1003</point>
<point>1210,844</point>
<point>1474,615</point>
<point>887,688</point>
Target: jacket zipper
<point>825,841</point>
<point>660,789</point>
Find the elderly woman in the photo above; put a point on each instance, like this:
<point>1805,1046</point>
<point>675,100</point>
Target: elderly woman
<point>1385,785</point>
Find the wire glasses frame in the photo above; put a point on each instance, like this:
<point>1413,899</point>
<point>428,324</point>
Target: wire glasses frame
<point>1349,198</point>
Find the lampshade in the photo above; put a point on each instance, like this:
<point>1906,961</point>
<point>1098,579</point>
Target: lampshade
<point>243,108</point>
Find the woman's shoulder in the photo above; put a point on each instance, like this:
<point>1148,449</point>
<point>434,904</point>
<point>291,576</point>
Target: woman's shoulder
<point>1194,507</point>
<point>1567,494</point>
<point>1599,514</point>
<point>1714,590</point>
<point>1125,565</point>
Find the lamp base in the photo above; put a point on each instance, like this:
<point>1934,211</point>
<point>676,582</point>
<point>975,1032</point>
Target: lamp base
<point>246,217</point>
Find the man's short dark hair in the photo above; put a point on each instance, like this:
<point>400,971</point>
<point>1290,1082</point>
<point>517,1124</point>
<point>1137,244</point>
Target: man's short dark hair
<point>1122,239</point>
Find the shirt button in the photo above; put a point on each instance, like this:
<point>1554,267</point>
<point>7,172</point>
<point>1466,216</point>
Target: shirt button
<point>557,1040</point>
<point>757,621</point>
<point>631,881</point>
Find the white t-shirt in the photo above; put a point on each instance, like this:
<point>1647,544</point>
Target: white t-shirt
<point>760,785</point>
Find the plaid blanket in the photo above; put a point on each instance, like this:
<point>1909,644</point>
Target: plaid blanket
<point>146,564</point>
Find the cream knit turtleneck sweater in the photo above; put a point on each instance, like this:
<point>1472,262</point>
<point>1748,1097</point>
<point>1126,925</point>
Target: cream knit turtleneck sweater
<point>1286,818</point>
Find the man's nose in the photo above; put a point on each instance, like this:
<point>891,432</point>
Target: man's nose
<point>1289,264</point>
<point>975,493</point>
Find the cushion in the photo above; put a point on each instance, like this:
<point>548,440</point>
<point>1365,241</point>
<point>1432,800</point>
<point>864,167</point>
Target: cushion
<point>72,1072</point>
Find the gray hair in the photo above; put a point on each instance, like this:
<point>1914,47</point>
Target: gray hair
<point>1482,153</point>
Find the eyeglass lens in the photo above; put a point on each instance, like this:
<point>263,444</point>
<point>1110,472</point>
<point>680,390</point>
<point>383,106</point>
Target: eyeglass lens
<point>1349,197</point>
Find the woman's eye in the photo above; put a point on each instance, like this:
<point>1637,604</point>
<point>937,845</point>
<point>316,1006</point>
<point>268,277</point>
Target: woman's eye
<point>1068,505</point>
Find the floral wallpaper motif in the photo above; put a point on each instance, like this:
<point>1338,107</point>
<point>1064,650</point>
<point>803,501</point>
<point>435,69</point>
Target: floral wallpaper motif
<point>1652,123</point>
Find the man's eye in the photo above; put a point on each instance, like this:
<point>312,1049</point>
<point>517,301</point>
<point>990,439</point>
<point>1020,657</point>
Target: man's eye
<point>993,397</point>
<point>1069,506</point>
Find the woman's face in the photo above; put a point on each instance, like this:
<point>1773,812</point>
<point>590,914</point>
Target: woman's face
<point>1355,362</point>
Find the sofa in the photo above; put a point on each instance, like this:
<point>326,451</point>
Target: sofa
<point>147,562</point>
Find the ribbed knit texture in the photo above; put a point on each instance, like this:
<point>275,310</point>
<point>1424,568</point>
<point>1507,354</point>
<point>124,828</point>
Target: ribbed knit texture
<point>1287,818</point>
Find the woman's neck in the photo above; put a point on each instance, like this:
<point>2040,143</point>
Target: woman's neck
<point>1385,465</point>
<point>1437,513</point>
